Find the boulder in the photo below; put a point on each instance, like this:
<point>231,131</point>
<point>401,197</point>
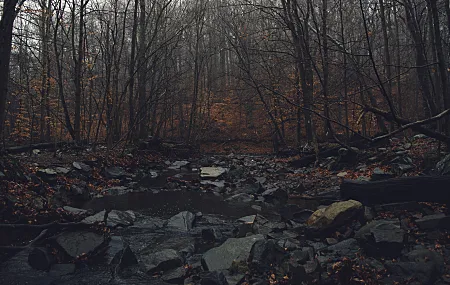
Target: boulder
<point>119,253</point>
<point>40,258</point>
<point>263,254</point>
<point>163,260</point>
<point>79,242</point>
<point>334,215</point>
<point>175,276</point>
<point>233,249</point>
<point>183,221</point>
<point>381,238</point>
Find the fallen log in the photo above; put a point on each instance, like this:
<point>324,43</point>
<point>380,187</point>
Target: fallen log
<point>29,147</point>
<point>417,188</point>
<point>308,159</point>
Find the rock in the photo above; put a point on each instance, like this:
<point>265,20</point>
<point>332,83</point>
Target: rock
<point>234,279</point>
<point>36,151</point>
<point>348,247</point>
<point>218,184</point>
<point>59,270</point>
<point>214,278</point>
<point>297,273</point>
<point>428,256</point>
<point>81,166</point>
<point>114,218</point>
<point>40,258</point>
<point>247,219</point>
<point>443,166</point>
<point>179,164</point>
<point>275,194</point>
<point>163,260</point>
<point>62,170</point>
<point>331,241</point>
<point>424,272</point>
<point>47,175</point>
<point>119,218</point>
<point>212,235</point>
<point>174,276</point>
<point>381,237</point>
<point>262,254</point>
<point>79,242</point>
<point>301,256</point>
<point>368,214</point>
<point>183,221</point>
<point>233,249</point>
<point>212,172</point>
<point>114,172</point>
<point>240,198</point>
<point>74,211</point>
<point>341,174</point>
<point>119,253</point>
<point>431,222</point>
<point>334,215</point>
<point>379,174</point>
<point>116,190</point>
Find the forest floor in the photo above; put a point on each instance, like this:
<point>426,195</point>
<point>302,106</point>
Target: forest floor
<point>153,217</point>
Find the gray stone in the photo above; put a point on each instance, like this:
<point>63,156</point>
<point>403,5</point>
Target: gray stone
<point>218,184</point>
<point>183,221</point>
<point>247,219</point>
<point>47,175</point>
<point>212,234</point>
<point>79,242</point>
<point>347,247</point>
<point>174,276</point>
<point>379,174</point>
<point>212,172</point>
<point>74,211</point>
<point>119,253</point>
<point>179,164</point>
<point>431,222</point>
<point>119,218</point>
<point>214,278</point>
<point>275,194</point>
<point>381,237</point>
<point>81,166</point>
<point>233,249</point>
<point>114,172</point>
<point>62,170</point>
<point>163,260</point>
<point>263,254</point>
<point>240,198</point>
<point>424,272</point>
<point>443,166</point>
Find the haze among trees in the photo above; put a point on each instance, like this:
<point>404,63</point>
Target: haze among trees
<point>289,71</point>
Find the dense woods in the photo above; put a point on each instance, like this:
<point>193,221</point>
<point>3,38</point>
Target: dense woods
<point>289,71</point>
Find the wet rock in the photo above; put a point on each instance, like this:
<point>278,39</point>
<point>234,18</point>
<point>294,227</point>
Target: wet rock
<point>47,175</point>
<point>183,221</point>
<point>119,253</point>
<point>81,166</point>
<point>233,249</point>
<point>211,235</point>
<point>214,278</point>
<point>212,172</point>
<point>164,260</point>
<point>240,198</point>
<point>431,222</point>
<point>40,258</point>
<point>381,237</point>
<point>334,215</point>
<point>380,174</point>
<point>114,172</point>
<point>277,194</point>
<point>79,242</point>
<point>174,276</point>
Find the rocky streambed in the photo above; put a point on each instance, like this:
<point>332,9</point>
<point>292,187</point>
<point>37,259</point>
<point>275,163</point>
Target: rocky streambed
<point>232,220</point>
